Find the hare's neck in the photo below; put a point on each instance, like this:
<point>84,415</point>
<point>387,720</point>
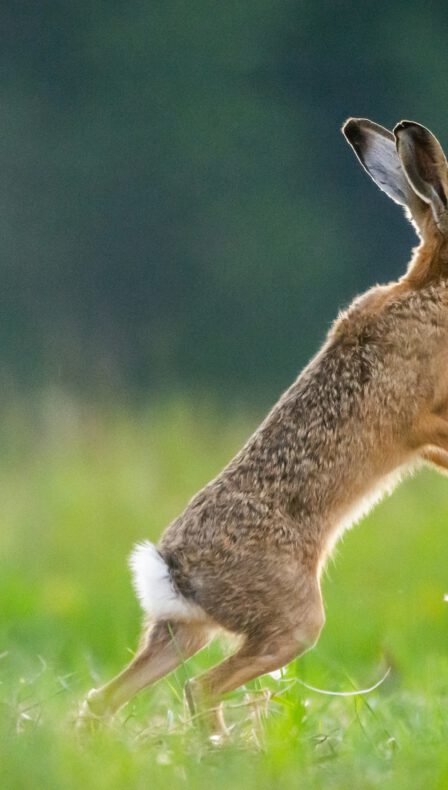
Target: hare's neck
<point>429,263</point>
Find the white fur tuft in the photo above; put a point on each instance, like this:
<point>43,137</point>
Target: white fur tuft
<point>154,587</point>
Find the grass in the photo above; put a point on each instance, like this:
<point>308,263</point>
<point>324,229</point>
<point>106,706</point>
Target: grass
<point>77,487</point>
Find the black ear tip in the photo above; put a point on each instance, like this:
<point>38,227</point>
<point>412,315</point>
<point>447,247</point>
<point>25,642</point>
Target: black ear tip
<point>401,126</point>
<point>351,130</point>
<point>411,127</point>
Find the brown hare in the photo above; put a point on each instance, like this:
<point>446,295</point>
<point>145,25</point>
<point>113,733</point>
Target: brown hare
<point>247,553</point>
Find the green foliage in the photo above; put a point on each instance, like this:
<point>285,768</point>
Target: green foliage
<point>78,486</point>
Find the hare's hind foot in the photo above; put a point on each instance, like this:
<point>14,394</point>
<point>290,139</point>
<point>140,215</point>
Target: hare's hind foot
<point>164,647</point>
<point>91,715</point>
<point>206,714</point>
<point>258,655</point>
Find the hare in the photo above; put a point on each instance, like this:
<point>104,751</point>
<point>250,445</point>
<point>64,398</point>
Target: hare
<point>247,553</point>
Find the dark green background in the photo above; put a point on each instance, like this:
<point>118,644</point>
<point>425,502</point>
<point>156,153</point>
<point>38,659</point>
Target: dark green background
<point>178,207</point>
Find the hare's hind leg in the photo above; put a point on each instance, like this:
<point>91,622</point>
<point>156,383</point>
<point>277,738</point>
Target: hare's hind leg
<point>163,649</point>
<point>259,654</point>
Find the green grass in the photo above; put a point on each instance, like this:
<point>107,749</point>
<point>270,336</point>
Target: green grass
<point>77,487</point>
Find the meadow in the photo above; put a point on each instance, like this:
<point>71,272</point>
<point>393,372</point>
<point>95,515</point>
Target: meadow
<point>78,485</point>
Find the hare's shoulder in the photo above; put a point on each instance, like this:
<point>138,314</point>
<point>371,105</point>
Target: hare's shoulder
<point>397,309</point>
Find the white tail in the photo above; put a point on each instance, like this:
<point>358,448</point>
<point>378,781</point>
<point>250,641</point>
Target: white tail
<point>154,586</point>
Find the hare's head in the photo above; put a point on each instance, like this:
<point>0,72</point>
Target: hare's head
<point>410,166</point>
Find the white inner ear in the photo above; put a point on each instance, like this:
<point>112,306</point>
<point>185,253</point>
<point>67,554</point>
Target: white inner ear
<point>382,162</point>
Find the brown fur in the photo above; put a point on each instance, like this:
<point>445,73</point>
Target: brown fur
<point>249,548</point>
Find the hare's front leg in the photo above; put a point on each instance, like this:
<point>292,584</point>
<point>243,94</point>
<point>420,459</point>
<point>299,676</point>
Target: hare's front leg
<point>431,437</point>
<point>436,457</point>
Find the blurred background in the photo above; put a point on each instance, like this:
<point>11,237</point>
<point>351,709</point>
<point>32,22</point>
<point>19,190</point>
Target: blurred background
<point>178,208</point>
<point>180,221</point>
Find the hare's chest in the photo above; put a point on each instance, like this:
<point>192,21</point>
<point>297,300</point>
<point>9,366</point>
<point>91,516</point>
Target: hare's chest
<point>362,504</point>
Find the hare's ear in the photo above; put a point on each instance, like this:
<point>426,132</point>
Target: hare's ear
<point>425,166</point>
<point>376,149</point>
